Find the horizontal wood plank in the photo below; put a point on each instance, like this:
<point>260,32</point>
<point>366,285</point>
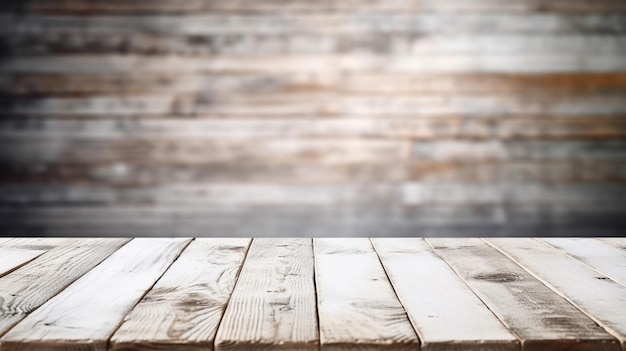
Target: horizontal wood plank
<point>315,64</point>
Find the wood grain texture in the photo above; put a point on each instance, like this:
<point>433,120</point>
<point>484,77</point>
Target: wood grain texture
<point>272,306</point>
<point>130,83</point>
<point>184,308</point>
<point>446,314</point>
<point>85,315</point>
<point>12,258</point>
<point>29,287</point>
<point>540,318</point>
<point>600,256</point>
<point>601,298</point>
<point>357,306</point>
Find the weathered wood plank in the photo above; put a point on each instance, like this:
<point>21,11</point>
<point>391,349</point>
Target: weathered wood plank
<point>602,257</point>
<point>85,315</point>
<point>541,319</point>
<point>446,314</point>
<point>275,6</point>
<point>204,151</point>
<point>50,40</point>
<point>565,196</point>
<point>12,257</point>
<point>331,104</point>
<point>318,23</point>
<point>463,150</point>
<point>29,287</point>
<point>357,307</point>
<point>129,83</point>
<point>325,221</point>
<point>315,64</point>
<point>272,306</point>
<point>619,243</point>
<point>184,308</point>
<point>601,298</point>
<point>428,128</point>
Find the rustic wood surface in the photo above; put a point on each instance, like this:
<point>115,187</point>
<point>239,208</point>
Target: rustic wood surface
<point>85,314</point>
<point>601,297</point>
<point>433,296</point>
<point>106,105</point>
<point>357,306</point>
<point>273,304</point>
<point>185,306</point>
<point>542,319</point>
<point>337,294</point>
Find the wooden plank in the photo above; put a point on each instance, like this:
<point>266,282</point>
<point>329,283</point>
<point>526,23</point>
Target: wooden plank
<point>273,304</point>
<point>446,314</point>
<point>50,41</point>
<point>184,308</point>
<point>192,151</point>
<point>588,127</point>
<point>601,298</point>
<point>12,258</point>
<point>540,318</point>
<point>331,104</point>
<point>275,6</point>
<point>314,64</point>
<point>19,251</point>
<point>336,23</point>
<point>129,83</point>
<point>619,243</point>
<point>85,314</point>
<point>357,307</point>
<point>459,150</point>
<point>600,256</point>
<point>29,287</point>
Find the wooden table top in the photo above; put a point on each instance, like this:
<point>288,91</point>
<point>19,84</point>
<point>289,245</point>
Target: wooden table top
<point>311,294</point>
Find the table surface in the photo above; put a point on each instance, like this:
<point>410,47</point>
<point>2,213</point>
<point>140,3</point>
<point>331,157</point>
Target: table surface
<point>311,294</point>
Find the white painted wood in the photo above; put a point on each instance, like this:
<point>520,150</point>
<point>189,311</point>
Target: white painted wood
<point>185,307</point>
<point>79,64</point>
<point>601,298</point>
<point>603,257</point>
<point>619,243</point>
<point>446,314</point>
<point>540,318</point>
<point>357,307</point>
<point>85,315</point>
<point>330,23</point>
<point>29,287</point>
<point>272,306</point>
<point>12,258</point>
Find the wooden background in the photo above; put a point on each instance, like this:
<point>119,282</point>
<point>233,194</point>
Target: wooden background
<point>316,118</point>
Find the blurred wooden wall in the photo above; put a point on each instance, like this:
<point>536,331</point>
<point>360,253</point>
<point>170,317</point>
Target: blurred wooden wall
<point>323,118</point>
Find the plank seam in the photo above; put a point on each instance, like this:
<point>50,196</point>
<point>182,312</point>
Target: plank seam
<point>576,259</point>
<point>317,310</point>
<point>180,252</point>
<point>508,327</point>
<point>243,261</point>
<point>63,289</point>
<point>393,288</point>
<point>554,289</point>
